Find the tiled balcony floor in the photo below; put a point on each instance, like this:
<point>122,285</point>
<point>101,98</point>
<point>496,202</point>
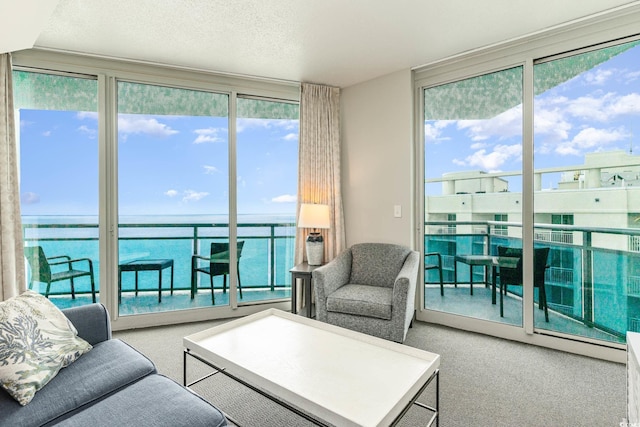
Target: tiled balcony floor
<point>147,302</point>
<point>458,301</point>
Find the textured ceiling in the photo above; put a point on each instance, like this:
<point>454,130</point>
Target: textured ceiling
<point>336,42</point>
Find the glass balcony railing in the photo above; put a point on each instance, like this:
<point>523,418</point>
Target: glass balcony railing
<point>264,265</point>
<point>593,274</point>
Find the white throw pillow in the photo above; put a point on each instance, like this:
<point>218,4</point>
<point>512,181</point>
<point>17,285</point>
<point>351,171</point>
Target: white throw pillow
<point>36,341</point>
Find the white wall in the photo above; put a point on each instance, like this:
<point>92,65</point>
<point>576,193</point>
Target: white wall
<point>377,159</point>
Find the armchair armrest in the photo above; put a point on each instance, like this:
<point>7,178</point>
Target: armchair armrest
<point>330,277</point>
<point>92,322</point>
<point>404,289</point>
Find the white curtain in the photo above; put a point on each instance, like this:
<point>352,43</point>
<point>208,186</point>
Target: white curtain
<point>319,165</point>
<point>12,275</point>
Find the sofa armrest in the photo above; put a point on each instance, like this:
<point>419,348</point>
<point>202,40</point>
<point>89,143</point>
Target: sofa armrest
<point>92,322</point>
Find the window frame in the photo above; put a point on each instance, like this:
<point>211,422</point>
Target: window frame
<point>108,72</point>
<point>600,31</point>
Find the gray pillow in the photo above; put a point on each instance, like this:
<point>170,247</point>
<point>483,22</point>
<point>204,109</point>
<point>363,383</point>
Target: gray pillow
<point>36,341</point>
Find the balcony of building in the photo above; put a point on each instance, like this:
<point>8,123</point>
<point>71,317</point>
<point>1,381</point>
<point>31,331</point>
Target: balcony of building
<point>592,279</point>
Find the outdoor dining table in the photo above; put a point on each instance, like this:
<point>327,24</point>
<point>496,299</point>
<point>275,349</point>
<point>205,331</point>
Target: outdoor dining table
<point>493,261</point>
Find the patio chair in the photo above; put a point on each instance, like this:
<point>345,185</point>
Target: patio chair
<point>369,288</point>
<point>513,276</point>
<point>218,265</point>
<point>41,271</point>
<point>437,264</point>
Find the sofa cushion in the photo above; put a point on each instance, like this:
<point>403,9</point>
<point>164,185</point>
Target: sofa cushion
<point>155,401</point>
<point>36,342</point>
<point>362,300</point>
<point>110,366</point>
<point>376,264</point>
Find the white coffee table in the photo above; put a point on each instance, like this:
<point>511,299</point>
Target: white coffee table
<point>325,373</point>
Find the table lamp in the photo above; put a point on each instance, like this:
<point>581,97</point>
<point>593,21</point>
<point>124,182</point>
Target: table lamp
<point>314,216</point>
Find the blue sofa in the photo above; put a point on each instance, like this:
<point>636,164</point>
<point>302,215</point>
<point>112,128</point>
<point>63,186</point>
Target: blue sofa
<point>111,385</point>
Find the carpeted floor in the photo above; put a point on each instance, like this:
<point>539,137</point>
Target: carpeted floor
<point>484,381</point>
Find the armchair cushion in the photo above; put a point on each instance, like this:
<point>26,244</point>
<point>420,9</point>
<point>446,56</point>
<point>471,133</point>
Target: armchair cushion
<point>367,268</point>
<point>362,300</point>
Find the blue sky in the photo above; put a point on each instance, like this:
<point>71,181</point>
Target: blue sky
<point>598,110</point>
<point>167,164</point>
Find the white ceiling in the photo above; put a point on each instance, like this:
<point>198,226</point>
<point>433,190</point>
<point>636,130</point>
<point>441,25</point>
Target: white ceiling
<point>335,42</point>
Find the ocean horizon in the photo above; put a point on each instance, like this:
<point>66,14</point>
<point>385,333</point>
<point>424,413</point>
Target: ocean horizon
<point>268,249</point>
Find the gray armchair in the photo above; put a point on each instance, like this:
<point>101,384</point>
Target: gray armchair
<point>369,288</point>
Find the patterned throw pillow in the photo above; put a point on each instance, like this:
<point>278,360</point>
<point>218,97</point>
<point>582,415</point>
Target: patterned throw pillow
<point>36,341</point>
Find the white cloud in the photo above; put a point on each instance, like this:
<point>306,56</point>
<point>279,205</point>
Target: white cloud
<point>243,124</point>
<point>194,196</point>
<point>551,123</point>
<point>590,138</point>
<point>503,126</point>
<point>210,170</point>
<point>627,104</point>
<point>29,198</point>
<point>208,135</point>
<point>557,119</point>
<point>129,124</point>
<point>433,131</point>
<point>46,133</point>
<point>631,76</point>
<point>91,133</point>
<point>492,161</point>
<point>87,115</point>
<point>285,198</point>
<point>291,137</point>
<point>171,193</point>
<point>599,76</point>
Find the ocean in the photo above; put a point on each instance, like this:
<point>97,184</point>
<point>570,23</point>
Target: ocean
<point>266,257</point>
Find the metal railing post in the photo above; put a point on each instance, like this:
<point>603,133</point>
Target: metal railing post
<point>587,279</point>
<point>272,257</point>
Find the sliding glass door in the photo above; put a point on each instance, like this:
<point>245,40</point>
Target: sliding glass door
<point>473,192</point>
<point>545,153</point>
<point>587,190</point>
<point>173,198</point>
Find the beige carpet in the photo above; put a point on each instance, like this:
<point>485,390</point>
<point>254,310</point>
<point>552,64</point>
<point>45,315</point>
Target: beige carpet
<point>484,381</point>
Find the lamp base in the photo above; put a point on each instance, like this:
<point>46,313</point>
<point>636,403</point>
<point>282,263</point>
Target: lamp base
<point>315,249</point>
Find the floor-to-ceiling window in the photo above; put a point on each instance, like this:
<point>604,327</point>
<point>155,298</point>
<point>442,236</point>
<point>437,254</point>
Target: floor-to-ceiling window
<point>58,148</point>
<point>587,186</point>
<point>473,186</point>
<point>173,197</point>
<point>567,213</point>
<point>154,176</point>
<point>267,171</point>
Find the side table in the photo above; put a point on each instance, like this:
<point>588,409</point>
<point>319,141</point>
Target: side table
<point>145,265</point>
<point>303,272</point>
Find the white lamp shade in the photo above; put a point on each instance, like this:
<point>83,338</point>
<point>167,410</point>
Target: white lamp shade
<point>313,216</point>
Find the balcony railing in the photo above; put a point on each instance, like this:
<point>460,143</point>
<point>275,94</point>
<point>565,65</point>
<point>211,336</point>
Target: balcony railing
<point>265,262</point>
<point>593,272</point>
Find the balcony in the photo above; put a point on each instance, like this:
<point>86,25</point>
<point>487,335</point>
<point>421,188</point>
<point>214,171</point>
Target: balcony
<point>264,265</point>
<point>591,281</point>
